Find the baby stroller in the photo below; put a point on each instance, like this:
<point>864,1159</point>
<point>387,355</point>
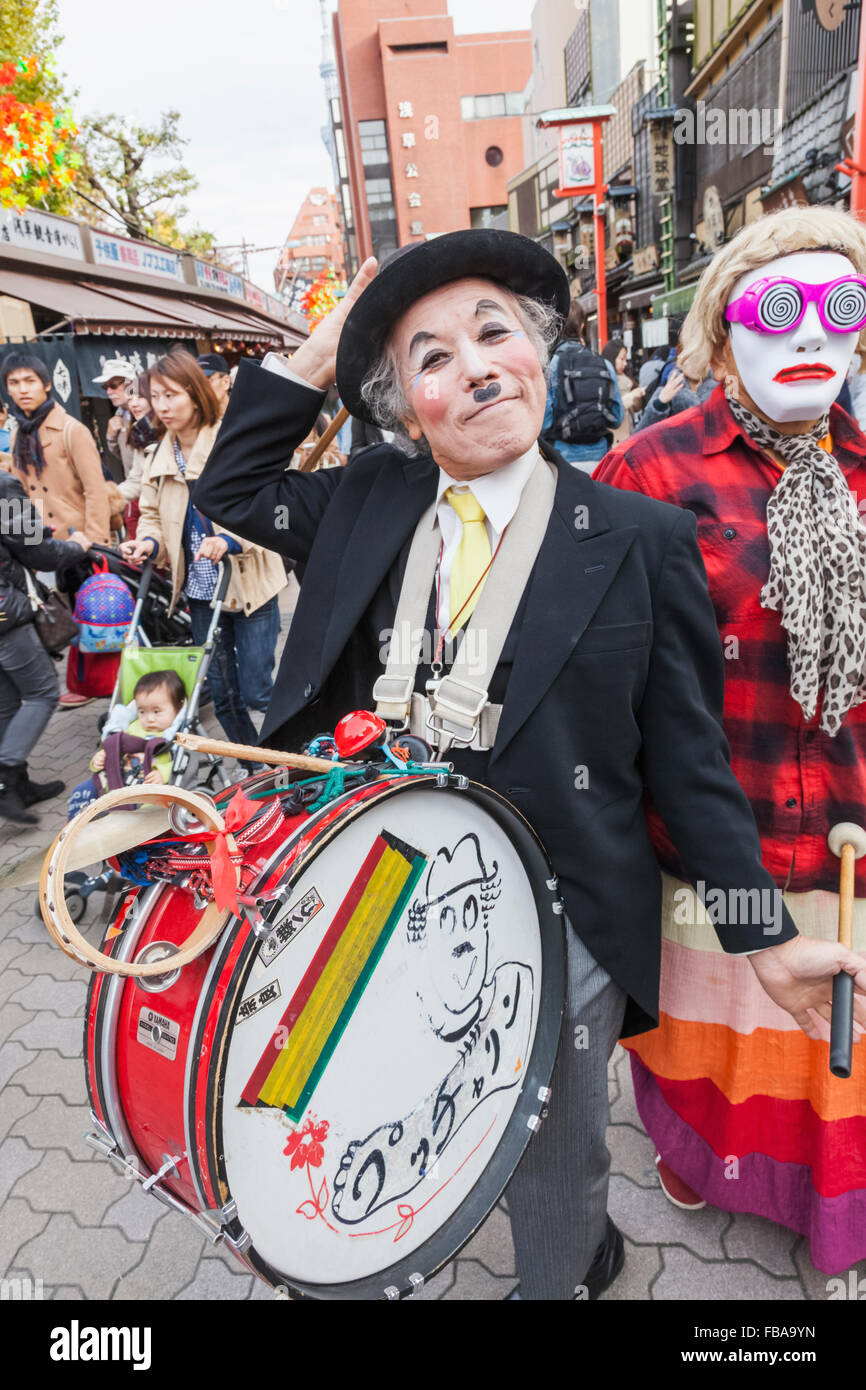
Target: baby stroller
<point>138,658</point>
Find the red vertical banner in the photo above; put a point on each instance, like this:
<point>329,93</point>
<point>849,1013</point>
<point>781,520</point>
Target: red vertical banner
<point>598,202</point>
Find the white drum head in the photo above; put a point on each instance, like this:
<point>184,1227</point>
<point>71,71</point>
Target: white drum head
<point>383,1039</point>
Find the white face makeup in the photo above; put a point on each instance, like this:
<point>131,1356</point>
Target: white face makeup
<point>473,380</point>
<point>796,375</point>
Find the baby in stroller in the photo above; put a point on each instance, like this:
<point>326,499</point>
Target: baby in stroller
<point>136,738</point>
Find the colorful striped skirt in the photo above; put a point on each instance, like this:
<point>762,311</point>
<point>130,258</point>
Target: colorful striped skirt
<point>738,1101</point>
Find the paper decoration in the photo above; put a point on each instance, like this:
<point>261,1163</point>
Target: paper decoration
<point>36,155</point>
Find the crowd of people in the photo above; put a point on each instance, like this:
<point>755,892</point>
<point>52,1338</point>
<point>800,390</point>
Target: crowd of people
<point>156,443</point>
<point>134,498</point>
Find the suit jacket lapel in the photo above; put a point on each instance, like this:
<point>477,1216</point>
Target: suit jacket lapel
<point>390,513</point>
<point>578,561</point>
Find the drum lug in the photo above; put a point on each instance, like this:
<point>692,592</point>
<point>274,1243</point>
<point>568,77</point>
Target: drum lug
<point>558,907</point>
<point>109,1149</point>
<point>102,1136</point>
<point>552,884</point>
<point>257,923</point>
<point>416,1280</point>
<point>228,1212</point>
<point>102,1143</point>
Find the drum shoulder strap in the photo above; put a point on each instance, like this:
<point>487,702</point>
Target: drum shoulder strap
<point>460,700</point>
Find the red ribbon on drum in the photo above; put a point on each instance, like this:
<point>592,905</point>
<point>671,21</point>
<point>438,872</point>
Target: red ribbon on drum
<point>237,814</point>
<point>223,864</point>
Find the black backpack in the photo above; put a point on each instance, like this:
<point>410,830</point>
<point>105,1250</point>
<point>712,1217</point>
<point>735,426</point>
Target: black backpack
<point>585,396</point>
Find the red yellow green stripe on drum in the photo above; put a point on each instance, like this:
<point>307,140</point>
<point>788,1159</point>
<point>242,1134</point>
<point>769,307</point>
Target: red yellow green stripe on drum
<point>301,1046</point>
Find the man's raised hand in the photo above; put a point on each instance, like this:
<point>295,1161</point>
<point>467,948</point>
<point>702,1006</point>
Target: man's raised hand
<point>316,359</point>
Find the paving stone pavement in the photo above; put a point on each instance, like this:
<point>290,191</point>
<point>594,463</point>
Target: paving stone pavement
<point>70,1220</point>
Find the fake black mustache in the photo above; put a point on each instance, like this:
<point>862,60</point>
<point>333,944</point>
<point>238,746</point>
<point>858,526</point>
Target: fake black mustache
<point>486,393</point>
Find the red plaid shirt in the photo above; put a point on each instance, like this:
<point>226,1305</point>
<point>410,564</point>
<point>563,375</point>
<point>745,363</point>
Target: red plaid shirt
<point>800,782</point>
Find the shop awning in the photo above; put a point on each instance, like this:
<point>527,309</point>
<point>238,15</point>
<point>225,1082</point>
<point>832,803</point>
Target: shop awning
<point>80,301</point>
<point>106,308</point>
<point>639,298</point>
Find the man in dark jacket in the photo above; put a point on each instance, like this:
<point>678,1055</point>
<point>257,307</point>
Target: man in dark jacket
<point>610,677</point>
<point>29,688</point>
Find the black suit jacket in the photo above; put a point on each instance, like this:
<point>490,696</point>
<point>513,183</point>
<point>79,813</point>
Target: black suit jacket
<point>616,684</point>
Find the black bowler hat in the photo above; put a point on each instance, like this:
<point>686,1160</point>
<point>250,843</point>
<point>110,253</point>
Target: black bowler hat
<point>515,261</point>
<point>211,362</point>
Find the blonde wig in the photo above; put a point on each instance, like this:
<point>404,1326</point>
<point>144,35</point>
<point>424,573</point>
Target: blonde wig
<point>777,234</point>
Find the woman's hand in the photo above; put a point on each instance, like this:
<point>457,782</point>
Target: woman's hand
<point>212,548</point>
<point>152,776</point>
<point>98,760</point>
<point>138,550</point>
<point>675,382</point>
<point>798,976</point>
<point>78,538</point>
<point>316,359</point>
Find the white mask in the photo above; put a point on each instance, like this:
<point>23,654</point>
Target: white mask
<point>761,357</point>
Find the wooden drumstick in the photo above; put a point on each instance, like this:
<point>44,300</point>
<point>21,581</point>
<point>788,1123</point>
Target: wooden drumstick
<point>321,445</point>
<point>197,743</point>
<point>848,843</point>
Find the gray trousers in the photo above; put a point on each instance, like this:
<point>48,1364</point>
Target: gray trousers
<point>29,691</point>
<point>557,1199</point>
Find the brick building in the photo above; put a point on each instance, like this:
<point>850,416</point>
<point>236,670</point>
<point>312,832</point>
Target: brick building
<point>427,125</point>
<point>314,243</point>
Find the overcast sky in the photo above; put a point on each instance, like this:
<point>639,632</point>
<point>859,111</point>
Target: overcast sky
<point>244,75</point>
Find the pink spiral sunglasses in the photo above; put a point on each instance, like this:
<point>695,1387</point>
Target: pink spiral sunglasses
<point>777,304</point>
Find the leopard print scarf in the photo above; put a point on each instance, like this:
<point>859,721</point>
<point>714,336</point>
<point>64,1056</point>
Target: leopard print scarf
<point>817,579</point>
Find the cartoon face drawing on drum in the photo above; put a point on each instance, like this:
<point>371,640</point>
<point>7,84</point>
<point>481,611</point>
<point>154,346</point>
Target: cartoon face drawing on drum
<point>451,923</point>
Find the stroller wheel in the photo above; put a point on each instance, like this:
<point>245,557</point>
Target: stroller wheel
<point>75,905</point>
<point>75,902</point>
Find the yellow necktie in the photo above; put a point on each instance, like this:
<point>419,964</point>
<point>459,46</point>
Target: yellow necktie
<point>471,560</point>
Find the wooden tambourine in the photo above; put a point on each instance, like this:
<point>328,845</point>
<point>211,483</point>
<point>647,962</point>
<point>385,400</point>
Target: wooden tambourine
<point>52,901</point>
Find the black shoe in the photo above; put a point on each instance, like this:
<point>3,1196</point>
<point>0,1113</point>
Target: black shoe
<point>606,1266</point>
<point>31,792</point>
<point>12,805</point>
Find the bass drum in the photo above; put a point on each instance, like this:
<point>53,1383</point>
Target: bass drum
<point>342,1090</point>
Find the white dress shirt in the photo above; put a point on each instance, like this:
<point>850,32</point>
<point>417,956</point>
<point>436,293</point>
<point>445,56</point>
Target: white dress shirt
<point>498,494</point>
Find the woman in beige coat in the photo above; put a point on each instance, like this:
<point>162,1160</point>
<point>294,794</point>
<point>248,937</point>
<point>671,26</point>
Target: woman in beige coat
<point>175,533</point>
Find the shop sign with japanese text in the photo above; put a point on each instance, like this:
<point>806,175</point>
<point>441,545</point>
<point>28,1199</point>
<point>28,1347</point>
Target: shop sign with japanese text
<point>213,277</point>
<point>39,231</point>
<point>137,256</point>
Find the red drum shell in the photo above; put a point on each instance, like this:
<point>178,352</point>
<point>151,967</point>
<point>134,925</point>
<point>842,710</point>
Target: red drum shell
<point>164,1103</point>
